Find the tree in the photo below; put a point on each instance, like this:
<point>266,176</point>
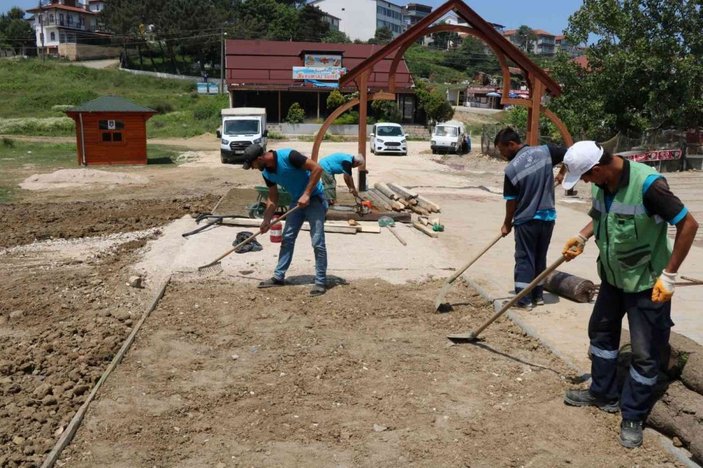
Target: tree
<point>472,57</point>
<point>527,37</point>
<point>383,36</point>
<point>386,111</point>
<point>433,102</point>
<point>311,26</point>
<point>335,36</point>
<point>15,32</point>
<point>296,114</point>
<point>335,99</point>
<point>644,70</point>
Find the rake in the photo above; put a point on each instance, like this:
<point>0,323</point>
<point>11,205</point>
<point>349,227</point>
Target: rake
<point>216,266</point>
<point>472,336</point>
<point>439,303</point>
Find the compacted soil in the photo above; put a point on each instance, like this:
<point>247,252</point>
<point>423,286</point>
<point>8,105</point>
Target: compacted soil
<point>224,374</point>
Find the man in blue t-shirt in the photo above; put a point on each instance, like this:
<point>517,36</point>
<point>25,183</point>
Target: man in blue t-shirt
<point>300,176</point>
<point>528,191</point>
<point>339,163</point>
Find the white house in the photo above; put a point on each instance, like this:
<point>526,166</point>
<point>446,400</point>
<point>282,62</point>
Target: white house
<point>359,19</point>
<point>63,26</point>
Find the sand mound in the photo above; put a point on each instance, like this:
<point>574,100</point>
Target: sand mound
<point>80,178</point>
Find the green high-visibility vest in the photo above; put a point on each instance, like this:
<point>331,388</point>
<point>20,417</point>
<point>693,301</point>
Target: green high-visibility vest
<point>634,247</point>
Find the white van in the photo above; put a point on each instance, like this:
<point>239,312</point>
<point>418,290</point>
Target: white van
<point>450,137</point>
<point>388,138</point>
<point>241,127</point>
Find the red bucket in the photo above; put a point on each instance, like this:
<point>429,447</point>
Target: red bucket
<point>276,232</point>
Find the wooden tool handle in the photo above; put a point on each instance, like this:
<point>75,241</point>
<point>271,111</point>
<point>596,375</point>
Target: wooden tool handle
<point>520,295</point>
<point>471,262</point>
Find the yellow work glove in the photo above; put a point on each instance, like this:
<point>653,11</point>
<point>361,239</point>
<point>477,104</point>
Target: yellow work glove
<point>664,287</point>
<point>574,247</point>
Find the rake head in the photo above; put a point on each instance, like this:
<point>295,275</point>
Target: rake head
<point>463,338</point>
<point>210,269</point>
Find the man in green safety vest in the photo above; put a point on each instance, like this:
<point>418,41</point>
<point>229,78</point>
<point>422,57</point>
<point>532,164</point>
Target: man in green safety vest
<point>631,207</point>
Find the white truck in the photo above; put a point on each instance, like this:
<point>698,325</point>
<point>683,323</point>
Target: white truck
<point>241,127</point>
<point>450,137</point>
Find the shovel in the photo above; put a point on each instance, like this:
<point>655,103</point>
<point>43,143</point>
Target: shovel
<point>439,304</point>
<point>473,335</point>
<point>215,265</point>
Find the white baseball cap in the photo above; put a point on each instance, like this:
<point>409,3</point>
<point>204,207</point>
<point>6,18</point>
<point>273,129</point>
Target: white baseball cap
<point>579,159</point>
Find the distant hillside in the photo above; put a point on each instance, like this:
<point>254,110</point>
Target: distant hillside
<point>32,89</point>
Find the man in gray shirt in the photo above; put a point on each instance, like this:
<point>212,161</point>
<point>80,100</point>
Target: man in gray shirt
<point>529,206</point>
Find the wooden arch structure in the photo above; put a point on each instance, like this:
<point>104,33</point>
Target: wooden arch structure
<point>539,82</point>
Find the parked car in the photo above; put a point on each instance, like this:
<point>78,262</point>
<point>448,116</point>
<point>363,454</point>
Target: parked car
<point>389,138</point>
<point>450,137</point>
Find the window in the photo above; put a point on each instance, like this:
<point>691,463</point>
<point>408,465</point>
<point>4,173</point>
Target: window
<point>52,37</point>
<point>111,130</point>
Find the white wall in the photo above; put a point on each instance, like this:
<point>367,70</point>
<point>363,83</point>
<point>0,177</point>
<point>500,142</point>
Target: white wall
<point>357,17</point>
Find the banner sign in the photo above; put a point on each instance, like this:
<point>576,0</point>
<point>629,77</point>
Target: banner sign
<point>318,73</point>
<point>207,88</point>
<point>653,155</point>
<point>323,60</point>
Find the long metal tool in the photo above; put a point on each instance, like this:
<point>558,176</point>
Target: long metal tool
<point>439,304</point>
<point>473,335</point>
<point>215,264</point>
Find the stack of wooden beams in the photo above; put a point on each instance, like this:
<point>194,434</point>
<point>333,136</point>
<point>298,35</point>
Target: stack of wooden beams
<point>394,197</point>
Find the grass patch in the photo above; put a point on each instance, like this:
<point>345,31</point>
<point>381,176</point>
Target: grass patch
<point>31,107</point>
<point>424,62</point>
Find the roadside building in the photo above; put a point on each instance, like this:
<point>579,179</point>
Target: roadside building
<point>70,29</point>
<point>110,130</point>
<point>359,19</point>
<point>414,12</point>
<point>276,74</point>
<point>563,45</point>
<point>543,42</point>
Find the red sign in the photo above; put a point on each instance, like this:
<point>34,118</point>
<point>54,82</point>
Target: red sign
<point>653,155</point>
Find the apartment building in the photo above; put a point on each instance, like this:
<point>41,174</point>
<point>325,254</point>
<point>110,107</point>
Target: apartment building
<point>414,12</point>
<point>543,42</point>
<point>360,19</point>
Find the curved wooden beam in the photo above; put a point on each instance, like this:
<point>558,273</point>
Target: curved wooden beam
<point>379,96</point>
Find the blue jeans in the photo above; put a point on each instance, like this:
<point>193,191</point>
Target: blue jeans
<point>314,214</point>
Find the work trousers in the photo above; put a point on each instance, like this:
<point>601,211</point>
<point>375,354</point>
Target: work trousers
<point>329,184</point>
<point>650,325</point>
<point>531,244</point>
<point>314,214</point>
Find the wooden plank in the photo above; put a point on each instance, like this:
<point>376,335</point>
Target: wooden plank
<point>394,204</point>
<point>373,216</point>
<point>329,227</point>
<point>424,229</point>
<point>425,203</point>
<point>402,191</point>
<point>75,422</point>
<point>378,201</point>
<point>386,191</point>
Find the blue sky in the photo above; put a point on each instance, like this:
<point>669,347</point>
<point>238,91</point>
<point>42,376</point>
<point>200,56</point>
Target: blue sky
<point>550,15</point>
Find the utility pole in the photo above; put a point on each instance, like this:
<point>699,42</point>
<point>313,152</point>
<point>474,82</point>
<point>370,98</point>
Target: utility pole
<point>222,61</point>
<point>41,32</point>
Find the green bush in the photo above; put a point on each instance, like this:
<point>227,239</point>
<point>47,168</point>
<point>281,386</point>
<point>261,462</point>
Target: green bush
<point>52,126</point>
<point>335,99</point>
<point>161,107</point>
<point>387,111</point>
<point>296,114</point>
<point>207,110</point>
<point>348,118</point>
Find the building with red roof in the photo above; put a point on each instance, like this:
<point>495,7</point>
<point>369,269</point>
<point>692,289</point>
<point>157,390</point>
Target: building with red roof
<point>275,74</point>
<point>70,29</point>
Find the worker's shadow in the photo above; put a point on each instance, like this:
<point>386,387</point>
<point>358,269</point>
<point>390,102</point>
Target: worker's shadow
<point>302,280</point>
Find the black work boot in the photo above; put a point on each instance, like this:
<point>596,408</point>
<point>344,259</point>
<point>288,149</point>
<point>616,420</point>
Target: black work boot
<point>630,433</point>
<point>271,283</point>
<point>577,397</point>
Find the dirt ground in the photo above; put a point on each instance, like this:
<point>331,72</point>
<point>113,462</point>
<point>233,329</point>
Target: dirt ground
<point>223,374</point>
